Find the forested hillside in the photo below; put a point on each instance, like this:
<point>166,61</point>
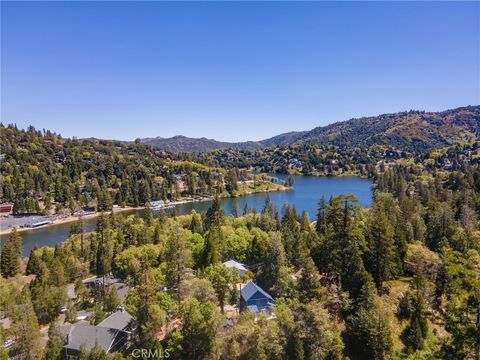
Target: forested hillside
<point>398,280</point>
<point>409,131</point>
<point>41,170</point>
<point>413,130</point>
<point>185,144</point>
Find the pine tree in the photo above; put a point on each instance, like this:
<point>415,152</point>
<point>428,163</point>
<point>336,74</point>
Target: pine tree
<point>71,314</point>
<point>215,214</point>
<point>17,241</point>
<point>178,259</point>
<point>321,225</point>
<point>148,215</point>
<point>380,256</point>
<point>235,209</point>
<point>417,330</point>
<point>196,225</point>
<point>54,347</point>
<point>211,253</point>
<point>25,330</point>
<point>10,264</point>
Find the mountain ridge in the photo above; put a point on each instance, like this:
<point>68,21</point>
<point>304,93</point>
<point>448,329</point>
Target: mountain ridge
<point>188,144</point>
<point>414,130</point>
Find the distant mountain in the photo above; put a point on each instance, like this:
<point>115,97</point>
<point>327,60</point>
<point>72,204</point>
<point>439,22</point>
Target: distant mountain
<point>412,130</point>
<point>186,144</point>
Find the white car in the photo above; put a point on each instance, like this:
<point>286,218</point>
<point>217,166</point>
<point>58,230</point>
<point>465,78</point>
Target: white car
<point>8,343</point>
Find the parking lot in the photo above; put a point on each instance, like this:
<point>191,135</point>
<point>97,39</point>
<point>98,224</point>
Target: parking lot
<point>15,221</point>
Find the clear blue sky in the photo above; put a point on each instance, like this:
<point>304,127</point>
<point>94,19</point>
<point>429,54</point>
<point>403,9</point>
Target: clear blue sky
<point>231,71</point>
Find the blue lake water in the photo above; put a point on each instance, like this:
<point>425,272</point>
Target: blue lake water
<point>305,196</point>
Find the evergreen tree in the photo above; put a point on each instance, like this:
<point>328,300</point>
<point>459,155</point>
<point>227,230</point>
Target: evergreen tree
<point>215,214</point>
<point>275,259</point>
<point>196,225</point>
<point>380,254</point>
<point>54,347</point>
<point>235,209</point>
<point>417,329</point>
<point>211,254</point>
<point>198,334</point>
<point>71,313</point>
<point>178,259</point>
<point>222,279</point>
<point>321,224</point>
<point>10,263</point>
<point>25,330</point>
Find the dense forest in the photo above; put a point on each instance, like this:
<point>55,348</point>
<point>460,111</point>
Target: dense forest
<point>42,172</point>
<point>400,279</point>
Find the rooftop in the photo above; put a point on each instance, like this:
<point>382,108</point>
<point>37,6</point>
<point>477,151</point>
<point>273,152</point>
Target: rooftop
<point>235,264</point>
<point>118,320</point>
<point>251,289</point>
<point>89,336</point>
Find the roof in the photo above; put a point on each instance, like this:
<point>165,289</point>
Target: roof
<point>118,320</point>
<point>37,221</point>
<point>89,336</point>
<point>251,289</point>
<point>235,264</point>
<point>109,280</point>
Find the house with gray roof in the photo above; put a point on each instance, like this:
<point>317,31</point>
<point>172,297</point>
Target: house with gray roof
<point>111,335</point>
<point>97,283</point>
<point>120,320</point>
<point>85,336</point>
<point>232,264</point>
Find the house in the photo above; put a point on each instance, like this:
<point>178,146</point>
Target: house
<point>96,284</point>
<point>255,298</point>
<point>232,264</point>
<point>111,335</point>
<point>6,209</point>
<point>36,222</point>
<point>87,336</point>
<point>157,203</point>
<point>120,320</point>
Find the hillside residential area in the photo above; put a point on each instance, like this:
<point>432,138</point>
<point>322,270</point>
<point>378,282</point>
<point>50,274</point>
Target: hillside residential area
<point>272,180</point>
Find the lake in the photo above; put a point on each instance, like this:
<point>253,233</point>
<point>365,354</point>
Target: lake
<point>305,196</point>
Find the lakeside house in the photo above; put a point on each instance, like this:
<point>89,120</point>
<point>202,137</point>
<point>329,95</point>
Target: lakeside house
<point>232,264</point>
<point>111,335</point>
<point>36,222</point>
<point>6,209</point>
<point>254,298</point>
<point>157,203</point>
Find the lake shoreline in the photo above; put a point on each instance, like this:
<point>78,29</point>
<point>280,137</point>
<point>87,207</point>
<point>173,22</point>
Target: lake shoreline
<point>115,210</point>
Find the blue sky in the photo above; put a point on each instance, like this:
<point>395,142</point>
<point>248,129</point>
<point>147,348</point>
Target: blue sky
<point>231,71</point>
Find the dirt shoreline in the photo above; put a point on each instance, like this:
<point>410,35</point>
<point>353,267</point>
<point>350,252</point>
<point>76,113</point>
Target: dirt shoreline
<point>73,218</point>
<point>67,219</point>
